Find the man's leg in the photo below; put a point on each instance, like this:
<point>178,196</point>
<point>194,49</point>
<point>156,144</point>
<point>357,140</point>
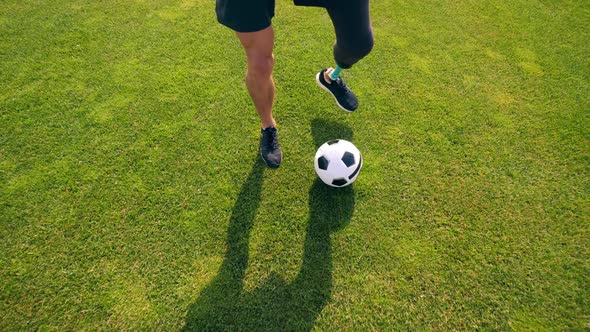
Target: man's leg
<point>354,34</point>
<point>258,47</point>
<point>354,40</point>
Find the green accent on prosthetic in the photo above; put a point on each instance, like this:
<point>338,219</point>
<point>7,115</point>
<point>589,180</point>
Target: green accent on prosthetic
<point>335,73</point>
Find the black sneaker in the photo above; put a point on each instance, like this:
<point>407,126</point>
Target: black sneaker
<point>344,97</point>
<point>270,149</point>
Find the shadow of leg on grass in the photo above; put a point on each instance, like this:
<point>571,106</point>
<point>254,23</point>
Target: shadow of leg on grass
<point>275,305</point>
<point>330,210</point>
<point>216,306</point>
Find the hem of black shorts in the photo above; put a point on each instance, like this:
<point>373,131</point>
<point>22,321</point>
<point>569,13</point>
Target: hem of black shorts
<point>239,29</point>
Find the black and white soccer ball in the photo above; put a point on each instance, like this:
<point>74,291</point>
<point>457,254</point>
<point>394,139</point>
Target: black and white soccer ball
<point>338,163</point>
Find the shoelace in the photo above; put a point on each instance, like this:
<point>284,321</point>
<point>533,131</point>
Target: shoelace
<point>272,141</point>
<point>341,83</point>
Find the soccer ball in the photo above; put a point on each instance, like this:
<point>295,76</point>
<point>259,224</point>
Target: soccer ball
<point>338,162</point>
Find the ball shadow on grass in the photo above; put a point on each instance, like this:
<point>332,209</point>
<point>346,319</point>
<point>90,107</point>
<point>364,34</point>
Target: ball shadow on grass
<point>276,305</point>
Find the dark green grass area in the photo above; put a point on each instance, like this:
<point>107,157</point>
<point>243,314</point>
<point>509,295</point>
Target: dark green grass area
<point>132,196</point>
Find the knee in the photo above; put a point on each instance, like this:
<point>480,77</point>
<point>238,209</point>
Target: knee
<point>347,54</point>
<point>362,46</point>
<point>260,65</point>
<point>369,43</point>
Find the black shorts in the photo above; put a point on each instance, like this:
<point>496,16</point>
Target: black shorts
<point>245,15</point>
<point>351,19</point>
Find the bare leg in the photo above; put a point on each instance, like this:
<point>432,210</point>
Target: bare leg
<point>258,46</point>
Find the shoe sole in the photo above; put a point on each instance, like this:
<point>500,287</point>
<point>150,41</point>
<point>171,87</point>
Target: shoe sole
<point>317,79</point>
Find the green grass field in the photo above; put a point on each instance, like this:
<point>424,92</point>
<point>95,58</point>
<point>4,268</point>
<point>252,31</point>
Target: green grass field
<point>132,196</point>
